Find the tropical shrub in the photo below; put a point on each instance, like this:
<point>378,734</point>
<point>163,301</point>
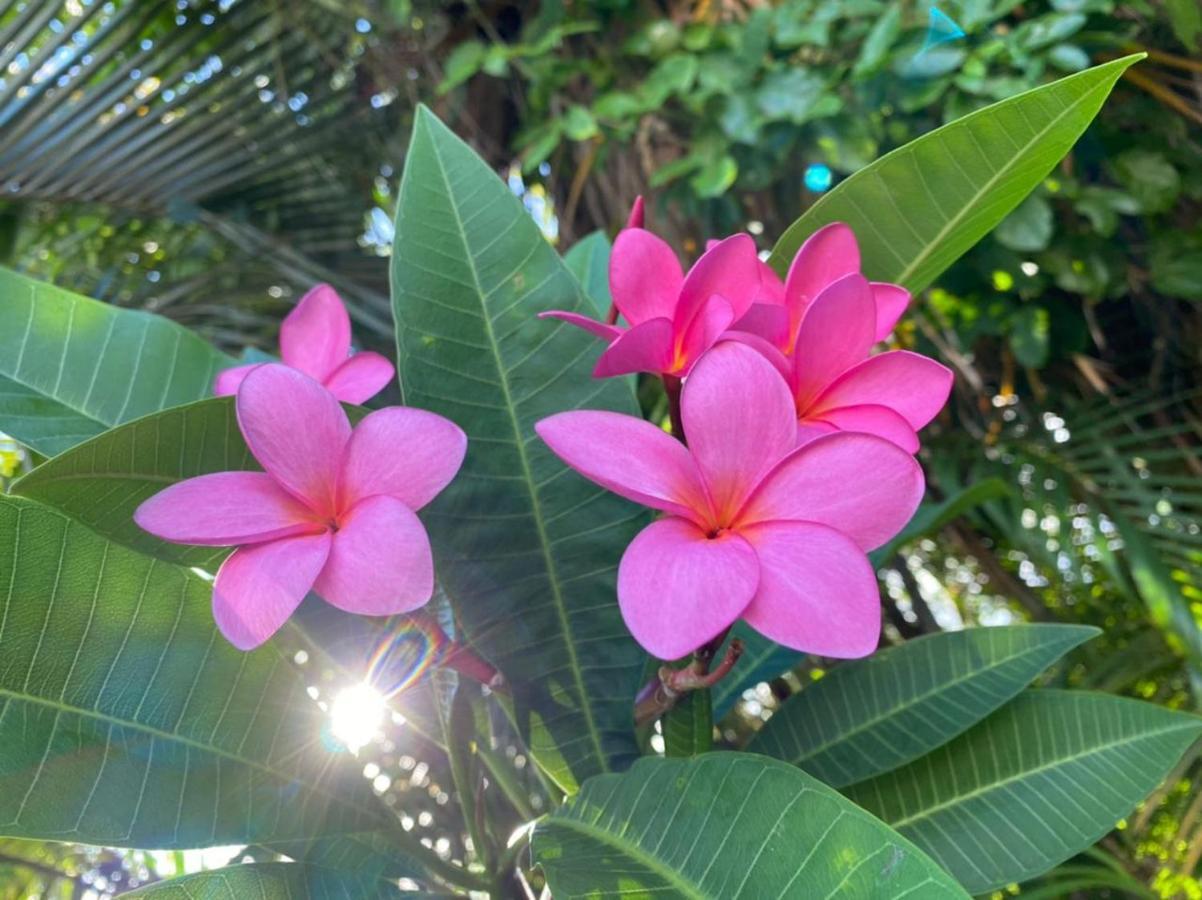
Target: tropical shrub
<point>533,605</point>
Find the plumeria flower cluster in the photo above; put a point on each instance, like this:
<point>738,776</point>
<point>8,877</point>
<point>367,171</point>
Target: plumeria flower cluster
<point>799,441</point>
<point>333,512</point>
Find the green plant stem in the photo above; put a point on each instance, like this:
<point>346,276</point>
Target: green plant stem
<point>505,777</point>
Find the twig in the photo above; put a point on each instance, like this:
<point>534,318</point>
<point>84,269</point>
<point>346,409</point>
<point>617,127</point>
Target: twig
<point>665,690</point>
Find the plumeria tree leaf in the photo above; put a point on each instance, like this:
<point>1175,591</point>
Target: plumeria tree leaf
<point>728,825</point>
<point>126,720</point>
<point>872,715</point>
<point>270,881</point>
<point>918,209</point>
<point>589,261</point>
<point>1035,783</point>
<point>101,481</point>
<point>70,367</point>
<point>527,552</point>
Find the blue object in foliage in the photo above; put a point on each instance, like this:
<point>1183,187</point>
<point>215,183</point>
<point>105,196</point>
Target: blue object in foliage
<point>818,178</point>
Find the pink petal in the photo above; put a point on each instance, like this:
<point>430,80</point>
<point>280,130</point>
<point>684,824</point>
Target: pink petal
<point>878,420</point>
<point>837,331</point>
<point>409,454</point>
<point>911,384</point>
<point>597,329</point>
<point>827,255</point>
<point>769,351</point>
<point>316,336</point>
<point>767,321</point>
<point>380,562</point>
<point>647,347</point>
<point>891,302</point>
<point>858,484</point>
<point>678,589</point>
<point>710,323</point>
<point>630,457</point>
<point>739,421</point>
<point>225,509</point>
<point>360,378</point>
<point>730,269</point>
<point>607,333</point>
<point>772,289</point>
<point>808,430</point>
<point>296,430</point>
<point>644,276</point>
<point>228,380</point>
<point>817,591</point>
<point>636,213</point>
<point>259,587</point>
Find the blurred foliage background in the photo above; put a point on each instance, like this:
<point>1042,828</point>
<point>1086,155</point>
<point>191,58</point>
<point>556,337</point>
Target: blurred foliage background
<point>211,160</point>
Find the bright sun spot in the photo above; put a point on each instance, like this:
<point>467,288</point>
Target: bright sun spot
<point>356,715</point>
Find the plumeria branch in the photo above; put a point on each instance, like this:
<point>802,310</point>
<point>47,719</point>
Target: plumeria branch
<point>665,690</point>
<point>456,656</point>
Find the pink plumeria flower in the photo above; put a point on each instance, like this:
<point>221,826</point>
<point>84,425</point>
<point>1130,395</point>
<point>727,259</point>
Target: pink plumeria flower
<point>316,339</point>
<point>754,527</point>
<point>829,254</point>
<point>332,513</point>
<point>838,386</point>
<point>674,317</point>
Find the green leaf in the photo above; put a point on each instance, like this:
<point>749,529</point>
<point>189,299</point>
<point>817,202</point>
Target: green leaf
<point>790,94</point>
<point>527,551</point>
<point>762,660</point>
<point>729,825</point>
<point>875,714</point>
<point>1030,336</point>
<point>878,42</point>
<point>71,367</point>
<point>1150,178</point>
<point>1185,17</point>
<point>916,210</point>
<point>931,517</point>
<point>588,260</point>
<point>127,720</point>
<point>102,481</point>
<point>715,177</point>
<point>1040,780</point>
<point>267,881</point>
<point>461,64</point>
<point>1028,228</point>
<point>689,725</point>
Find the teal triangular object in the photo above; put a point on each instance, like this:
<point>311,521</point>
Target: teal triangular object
<point>942,28</point>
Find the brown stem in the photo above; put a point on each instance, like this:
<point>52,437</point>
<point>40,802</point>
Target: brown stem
<point>672,385</point>
<point>665,690</point>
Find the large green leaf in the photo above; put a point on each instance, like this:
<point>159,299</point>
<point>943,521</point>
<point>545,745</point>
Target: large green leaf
<point>71,367</point>
<point>526,550</point>
<point>726,825</point>
<point>268,881</point>
<point>875,714</point>
<point>126,720</point>
<point>102,481</point>
<point>589,261</point>
<point>916,210</point>
<point>1037,782</point>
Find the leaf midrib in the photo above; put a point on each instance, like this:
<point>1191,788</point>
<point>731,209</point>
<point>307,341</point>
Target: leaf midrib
<point>527,473</point>
<point>916,700</point>
<point>633,851</point>
<point>171,737</point>
<point>1027,773</point>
